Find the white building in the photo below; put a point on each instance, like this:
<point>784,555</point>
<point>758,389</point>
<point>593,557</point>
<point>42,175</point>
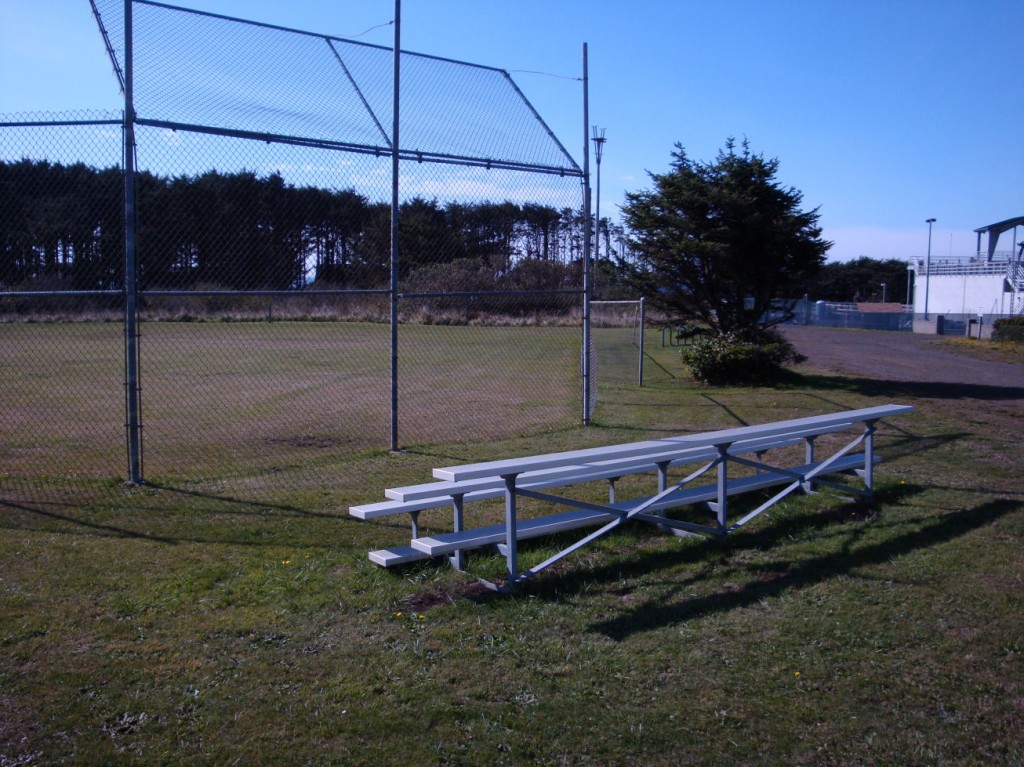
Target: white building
<point>989,284</point>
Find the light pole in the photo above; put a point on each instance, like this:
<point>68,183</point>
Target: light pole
<point>928,267</point>
<point>599,139</point>
<point>885,285</point>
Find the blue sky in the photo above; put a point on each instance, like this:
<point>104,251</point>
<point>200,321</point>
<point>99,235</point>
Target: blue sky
<point>883,114</point>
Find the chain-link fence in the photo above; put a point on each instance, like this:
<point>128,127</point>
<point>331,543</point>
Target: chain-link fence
<point>245,300</point>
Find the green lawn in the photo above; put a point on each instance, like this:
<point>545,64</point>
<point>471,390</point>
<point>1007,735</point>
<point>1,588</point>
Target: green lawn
<point>177,624</point>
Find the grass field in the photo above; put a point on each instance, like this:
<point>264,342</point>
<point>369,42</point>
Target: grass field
<point>177,624</point>
<point>224,405</point>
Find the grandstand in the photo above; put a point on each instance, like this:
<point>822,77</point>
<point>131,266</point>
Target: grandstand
<point>981,288</point>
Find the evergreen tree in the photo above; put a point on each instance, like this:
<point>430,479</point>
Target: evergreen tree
<point>723,242</point>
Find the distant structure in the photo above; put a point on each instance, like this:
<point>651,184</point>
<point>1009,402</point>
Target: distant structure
<point>980,288</point>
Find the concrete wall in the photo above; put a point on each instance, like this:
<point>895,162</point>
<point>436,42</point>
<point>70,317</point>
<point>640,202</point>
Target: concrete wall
<point>970,294</point>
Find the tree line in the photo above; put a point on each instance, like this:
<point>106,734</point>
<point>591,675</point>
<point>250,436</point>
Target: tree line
<point>61,227</point>
<point>862,279</point>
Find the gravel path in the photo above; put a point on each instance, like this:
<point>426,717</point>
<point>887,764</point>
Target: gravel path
<point>907,358</point>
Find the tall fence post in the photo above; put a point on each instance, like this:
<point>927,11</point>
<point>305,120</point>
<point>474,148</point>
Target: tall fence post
<point>643,327</point>
<point>133,419</point>
<point>586,243</point>
<point>395,165</point>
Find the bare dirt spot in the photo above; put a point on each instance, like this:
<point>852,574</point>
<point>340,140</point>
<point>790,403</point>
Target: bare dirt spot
<point>308,441</point>
<point>424,601</point>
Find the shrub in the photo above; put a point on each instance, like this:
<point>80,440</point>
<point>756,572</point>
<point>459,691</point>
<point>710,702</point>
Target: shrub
<point>731,359</point>
<point>1009,329</point>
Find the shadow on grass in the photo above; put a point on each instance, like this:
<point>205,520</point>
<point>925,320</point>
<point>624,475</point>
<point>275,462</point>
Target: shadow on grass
<point>109,530</point>
<point>797,574</point>
<point>76,516</point>
<point>652,361</point>
<point>758,536</point>
<point>242,505</point>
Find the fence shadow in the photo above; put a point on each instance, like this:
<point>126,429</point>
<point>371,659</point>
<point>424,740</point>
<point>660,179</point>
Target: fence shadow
<point>70,516</point>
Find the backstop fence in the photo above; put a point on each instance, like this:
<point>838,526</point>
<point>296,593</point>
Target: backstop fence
<point>258,270</point>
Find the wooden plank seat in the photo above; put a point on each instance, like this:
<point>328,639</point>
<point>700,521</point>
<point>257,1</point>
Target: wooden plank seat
<point>529,476</point>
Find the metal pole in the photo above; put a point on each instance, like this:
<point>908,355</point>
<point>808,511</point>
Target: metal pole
<point>511,535</point>
<point>599,140</point>
<point>586,242</point>
<point>643,327</point>
<point>928,267</point>
<point>722,491</point>
<point>133,425</point>
<point>869,459</point>
<point>394,224</point>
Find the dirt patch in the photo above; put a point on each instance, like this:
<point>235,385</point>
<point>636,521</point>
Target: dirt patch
<point>424,601</point>
<point>308,441</point>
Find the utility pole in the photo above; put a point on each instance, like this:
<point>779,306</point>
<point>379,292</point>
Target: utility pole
<point>928,267</point>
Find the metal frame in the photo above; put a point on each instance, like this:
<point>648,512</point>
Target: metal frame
<point>803,479</point>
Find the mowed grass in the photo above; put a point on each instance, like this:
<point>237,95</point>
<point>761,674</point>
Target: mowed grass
<point>171,625</point>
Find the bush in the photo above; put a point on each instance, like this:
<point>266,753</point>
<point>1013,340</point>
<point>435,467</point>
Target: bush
<point>731,359</point>
<point>1009,329</point>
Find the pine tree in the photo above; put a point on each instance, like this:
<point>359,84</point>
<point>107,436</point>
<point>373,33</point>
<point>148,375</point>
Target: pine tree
<point>723,242</point>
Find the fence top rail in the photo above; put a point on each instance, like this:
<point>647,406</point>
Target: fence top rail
<point>716,439</point>
<point>223,75</point>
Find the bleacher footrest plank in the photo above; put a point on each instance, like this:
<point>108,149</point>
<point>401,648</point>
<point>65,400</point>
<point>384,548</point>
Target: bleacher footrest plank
<point>526,528</point>
<point>399,555</point>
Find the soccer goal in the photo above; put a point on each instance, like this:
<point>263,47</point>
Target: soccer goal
<point>616,345</point>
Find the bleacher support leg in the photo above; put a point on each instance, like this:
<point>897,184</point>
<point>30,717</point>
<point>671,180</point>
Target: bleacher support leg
<point>808,487</point>
<point>510,530</point>
<point>458,559</point>
<point>869,459</point>
<point>723,490</point>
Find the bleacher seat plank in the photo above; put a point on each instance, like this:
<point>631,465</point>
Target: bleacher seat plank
<point>505,467</point>
<point>533,477</point>
<point>465,540</point>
